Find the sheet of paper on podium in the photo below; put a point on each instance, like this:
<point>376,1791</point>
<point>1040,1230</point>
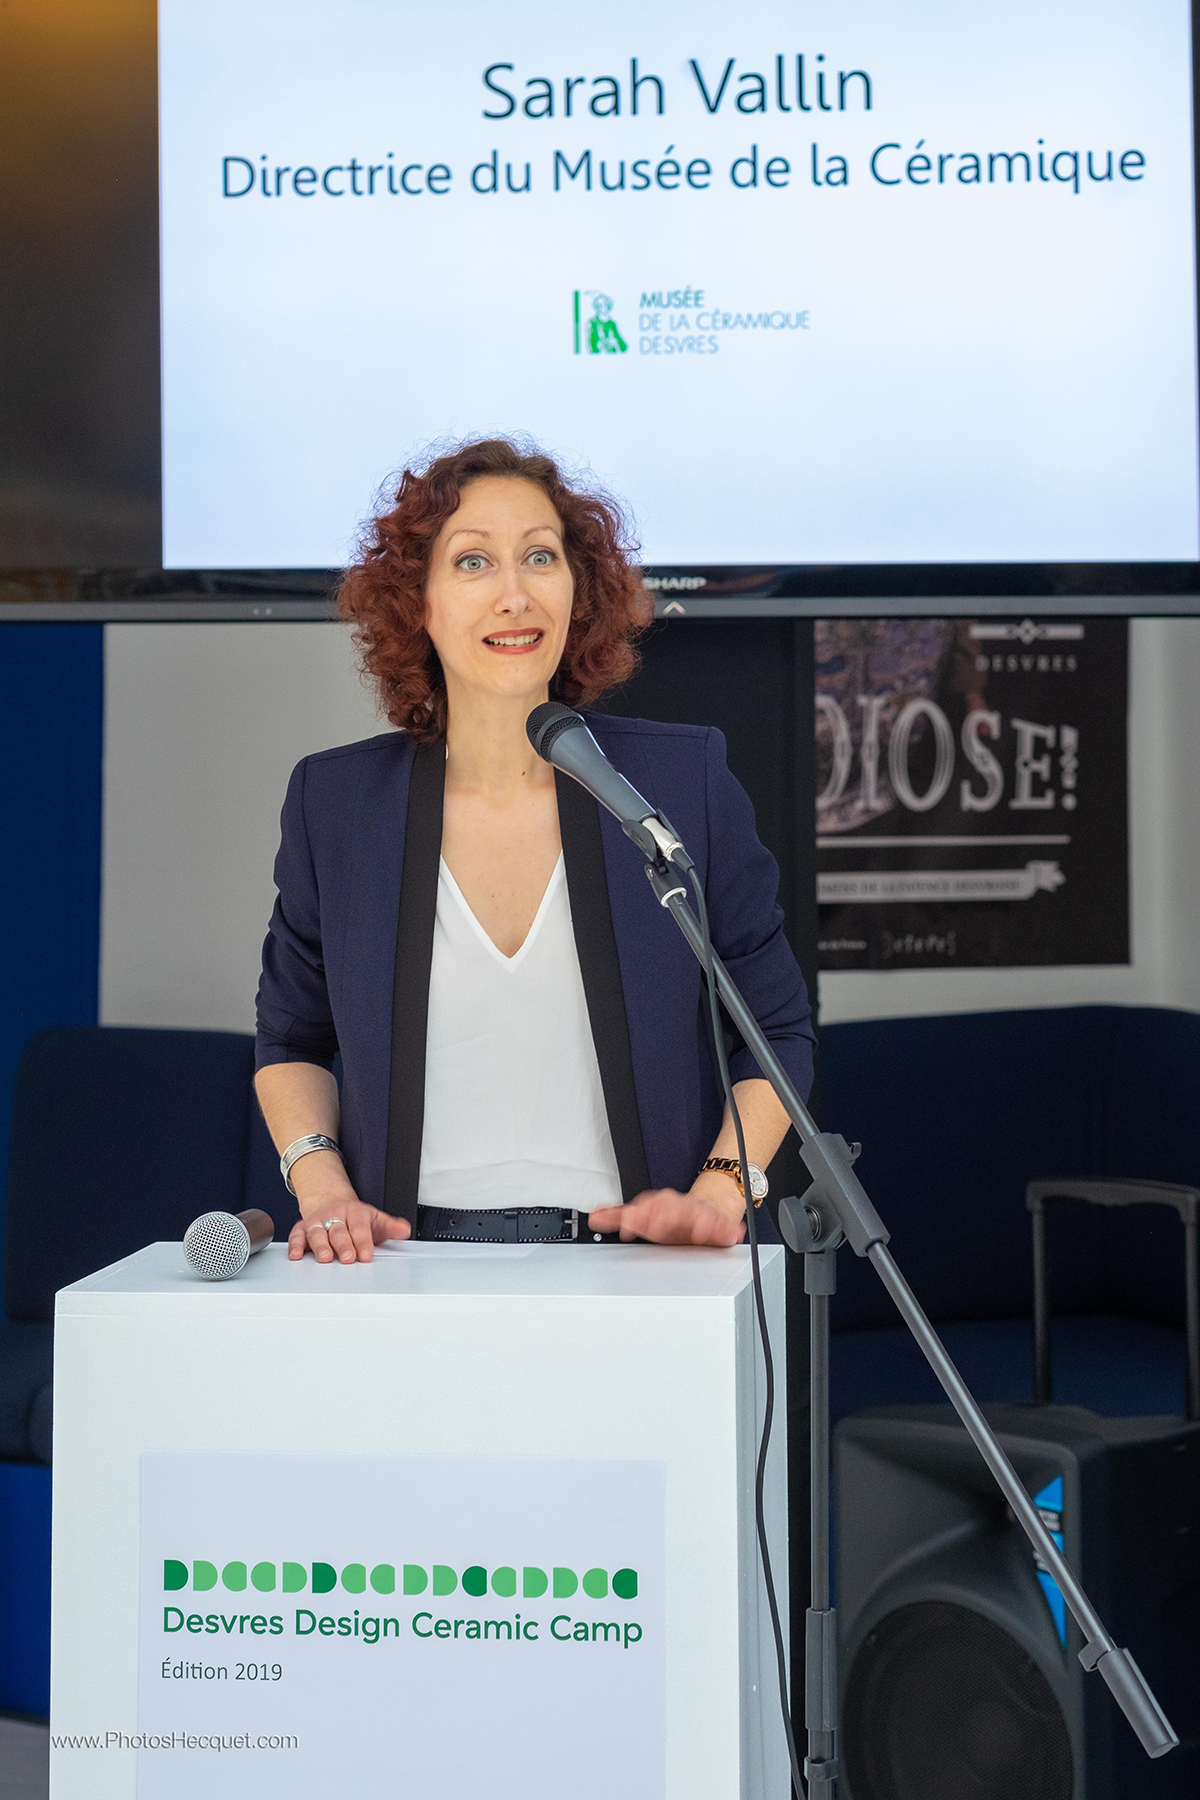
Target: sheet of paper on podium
<point>357,1619</point>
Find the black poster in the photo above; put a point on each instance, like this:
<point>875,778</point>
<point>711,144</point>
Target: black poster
<point>972,806</point>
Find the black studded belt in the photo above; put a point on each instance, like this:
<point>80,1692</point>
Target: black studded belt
<point>510,1225</point>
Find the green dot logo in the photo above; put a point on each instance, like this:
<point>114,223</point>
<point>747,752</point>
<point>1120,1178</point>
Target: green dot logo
<point>412,1578</point>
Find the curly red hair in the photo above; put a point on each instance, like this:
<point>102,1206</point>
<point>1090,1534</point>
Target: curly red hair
<point>383,593</point>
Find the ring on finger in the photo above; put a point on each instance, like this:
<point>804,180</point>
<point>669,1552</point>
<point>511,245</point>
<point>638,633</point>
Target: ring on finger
<point>327,1223</point>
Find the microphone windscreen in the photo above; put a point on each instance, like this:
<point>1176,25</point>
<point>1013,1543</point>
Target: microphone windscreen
<point>218,1245</point>
<point>547,722</point>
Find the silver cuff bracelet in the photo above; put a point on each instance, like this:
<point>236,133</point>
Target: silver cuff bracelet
<point>301,1147</point>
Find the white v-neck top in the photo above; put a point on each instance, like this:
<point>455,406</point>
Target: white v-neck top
<point>514,1110</point>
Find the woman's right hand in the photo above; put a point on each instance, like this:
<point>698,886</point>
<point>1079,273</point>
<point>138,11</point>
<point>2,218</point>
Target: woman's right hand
<point>342,1226</point>
<point>301,1100</point>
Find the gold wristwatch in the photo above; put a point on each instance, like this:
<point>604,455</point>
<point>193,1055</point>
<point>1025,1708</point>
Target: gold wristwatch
<point>729,1165</point>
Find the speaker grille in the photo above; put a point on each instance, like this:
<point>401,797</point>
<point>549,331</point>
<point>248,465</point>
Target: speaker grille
<point>940,1704</point>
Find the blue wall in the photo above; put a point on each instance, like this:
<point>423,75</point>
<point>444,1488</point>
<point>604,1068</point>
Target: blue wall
<point>51,751</point>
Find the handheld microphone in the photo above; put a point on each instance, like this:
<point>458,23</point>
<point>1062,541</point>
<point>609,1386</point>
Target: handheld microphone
<point>220,1244</point>
<point>559,735</point>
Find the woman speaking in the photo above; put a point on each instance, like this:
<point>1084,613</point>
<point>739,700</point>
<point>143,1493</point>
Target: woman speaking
<point>525,1048</point>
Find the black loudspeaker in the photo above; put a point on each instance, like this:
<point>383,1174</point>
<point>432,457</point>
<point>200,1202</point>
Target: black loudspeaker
<point>960,1676</point>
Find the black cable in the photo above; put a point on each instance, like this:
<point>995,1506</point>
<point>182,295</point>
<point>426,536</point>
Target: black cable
<point>761,1312</point>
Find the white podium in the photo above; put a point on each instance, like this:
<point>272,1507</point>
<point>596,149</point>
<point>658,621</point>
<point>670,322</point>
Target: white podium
<point>464,1521</point>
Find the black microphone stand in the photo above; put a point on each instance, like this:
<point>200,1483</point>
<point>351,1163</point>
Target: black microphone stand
<point>837,1210</point>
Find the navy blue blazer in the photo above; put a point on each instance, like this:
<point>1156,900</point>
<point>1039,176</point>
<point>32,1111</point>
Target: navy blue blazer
<point>346,960</point>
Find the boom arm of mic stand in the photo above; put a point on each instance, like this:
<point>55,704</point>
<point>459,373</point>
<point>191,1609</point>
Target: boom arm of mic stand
<point>829,1160</point>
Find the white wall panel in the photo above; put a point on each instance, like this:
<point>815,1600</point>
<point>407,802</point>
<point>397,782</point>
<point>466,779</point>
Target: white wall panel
<point>1176,807</point>
<point>203,724</point>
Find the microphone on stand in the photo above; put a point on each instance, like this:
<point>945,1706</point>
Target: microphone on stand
<point>560,736</point>
<point>220,1244</point>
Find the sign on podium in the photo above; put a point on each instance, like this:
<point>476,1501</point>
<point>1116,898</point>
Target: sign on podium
<point>465,1520</point>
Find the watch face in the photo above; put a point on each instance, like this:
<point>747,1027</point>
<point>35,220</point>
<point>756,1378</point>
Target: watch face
<point>758,1183</point>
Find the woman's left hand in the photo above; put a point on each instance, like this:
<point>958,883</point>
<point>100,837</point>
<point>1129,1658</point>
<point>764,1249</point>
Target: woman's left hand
<point>710,1213</point>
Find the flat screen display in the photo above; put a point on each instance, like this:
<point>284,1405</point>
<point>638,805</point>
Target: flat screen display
<point>860,307</point>
<point>854,283</point>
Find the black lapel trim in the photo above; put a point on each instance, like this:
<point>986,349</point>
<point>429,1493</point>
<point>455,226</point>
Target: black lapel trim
<point>410,989</point>
<point>596,945</point>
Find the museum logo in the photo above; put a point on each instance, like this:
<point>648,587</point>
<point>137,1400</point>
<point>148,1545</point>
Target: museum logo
<point>598,334</point>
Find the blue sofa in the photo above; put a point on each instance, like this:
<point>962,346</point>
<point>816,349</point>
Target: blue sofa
<point>119,1136</point>
<point>956,1115</point>
<point>123,1136</point>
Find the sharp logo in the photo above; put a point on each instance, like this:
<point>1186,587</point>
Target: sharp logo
<point>409,1578</point>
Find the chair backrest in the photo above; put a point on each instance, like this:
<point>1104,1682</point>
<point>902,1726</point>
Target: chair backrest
<point>121,1136</point>
<point>957,1113</point>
